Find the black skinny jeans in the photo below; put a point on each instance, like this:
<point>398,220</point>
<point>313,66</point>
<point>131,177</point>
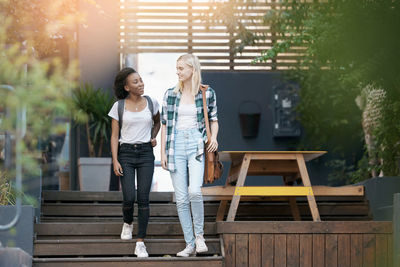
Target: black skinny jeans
<point>137,157</point>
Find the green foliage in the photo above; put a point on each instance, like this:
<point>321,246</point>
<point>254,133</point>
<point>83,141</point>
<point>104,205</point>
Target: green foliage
<point>9,193</point>
<point>328,112</point>
<point>92,107</point>
<point>388,135</point>
<point>40,87</point>
<point>40,22</point>
<point>348,45</point>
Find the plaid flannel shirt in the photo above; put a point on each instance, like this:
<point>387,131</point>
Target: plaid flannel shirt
<point>169,118</point>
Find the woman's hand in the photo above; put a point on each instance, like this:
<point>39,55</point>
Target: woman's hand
<point>153,142</point>
<point>118,169</point>
<point>213,145</point>
<point>164,161</point>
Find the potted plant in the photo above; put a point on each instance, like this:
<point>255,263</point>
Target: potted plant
<point>92,107</point>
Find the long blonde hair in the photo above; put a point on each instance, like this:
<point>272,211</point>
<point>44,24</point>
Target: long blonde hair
<point>193,62</point>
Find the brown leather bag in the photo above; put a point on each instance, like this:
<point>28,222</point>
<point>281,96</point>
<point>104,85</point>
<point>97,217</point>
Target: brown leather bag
<point>213,168</point>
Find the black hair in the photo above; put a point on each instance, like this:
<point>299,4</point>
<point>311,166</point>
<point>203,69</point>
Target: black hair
<point>120,82</point>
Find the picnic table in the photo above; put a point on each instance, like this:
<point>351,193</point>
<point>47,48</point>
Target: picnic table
<point>291,165</point>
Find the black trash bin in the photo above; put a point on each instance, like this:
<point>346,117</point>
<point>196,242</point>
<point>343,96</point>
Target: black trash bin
<point>249,117</point>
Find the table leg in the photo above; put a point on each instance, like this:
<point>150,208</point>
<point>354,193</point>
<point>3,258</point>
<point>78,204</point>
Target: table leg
<point>293,204</point>
<point>221,210</point>
<point>306,182</point>
<point>232,176</point>
<point>240,182</point>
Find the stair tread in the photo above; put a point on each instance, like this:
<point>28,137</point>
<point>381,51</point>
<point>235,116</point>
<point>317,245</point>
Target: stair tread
<point>76,230</point>
<point>104,223</point>
<point>114,247</point>
<point>112,196</point>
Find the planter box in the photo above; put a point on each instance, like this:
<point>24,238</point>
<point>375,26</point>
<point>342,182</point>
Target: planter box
<point>20,235</point>
<point>380,191</point>
<point>14,257</point>
<point>94,174</point>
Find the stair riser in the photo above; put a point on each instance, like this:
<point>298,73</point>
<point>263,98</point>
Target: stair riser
<point>210,209</point>
<point>218,263</point>
<point>115,249</point>
<point>78,230</point>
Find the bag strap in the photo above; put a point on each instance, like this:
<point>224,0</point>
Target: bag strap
<point>151,107</point>
<point>121,106</point>
<point>203,89</point>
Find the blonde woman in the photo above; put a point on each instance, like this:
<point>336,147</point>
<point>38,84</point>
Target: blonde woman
<point>183,136</point>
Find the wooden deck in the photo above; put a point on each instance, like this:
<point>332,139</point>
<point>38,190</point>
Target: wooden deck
<point>82,229</point>
<point>338,244</point>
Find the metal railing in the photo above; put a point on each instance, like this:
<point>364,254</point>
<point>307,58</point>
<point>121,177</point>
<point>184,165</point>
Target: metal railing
<point>20,133</point>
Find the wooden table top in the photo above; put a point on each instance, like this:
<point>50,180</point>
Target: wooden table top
<point>308,155</point>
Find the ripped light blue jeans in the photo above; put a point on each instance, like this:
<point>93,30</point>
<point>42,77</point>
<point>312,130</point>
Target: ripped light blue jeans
<point>187,181</point>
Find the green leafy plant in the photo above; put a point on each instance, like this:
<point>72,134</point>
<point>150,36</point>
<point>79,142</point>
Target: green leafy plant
<point>41,23</point>
<point>346,46</point>
<point>41,88</point>
<point>7,194</point>
<point>92,107</point>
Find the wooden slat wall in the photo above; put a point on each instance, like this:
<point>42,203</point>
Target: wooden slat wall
<point>179,26</point>
<point>336,244</point>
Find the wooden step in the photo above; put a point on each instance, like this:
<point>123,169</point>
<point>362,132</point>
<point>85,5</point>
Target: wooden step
<point>80,196</point>
<point>76,206</point>
<point>110,230</point>
<point>112,196</point>
<point>210,209</point>
<point>215,261</point>
<point>287,217</point>
<point>118,219</point>
<point>114,247</point>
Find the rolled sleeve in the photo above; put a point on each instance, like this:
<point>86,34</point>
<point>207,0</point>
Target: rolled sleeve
<point>212,106</point>
<point>164,109</point>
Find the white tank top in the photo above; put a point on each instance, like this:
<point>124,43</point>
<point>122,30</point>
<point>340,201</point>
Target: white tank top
<point>187,117</point>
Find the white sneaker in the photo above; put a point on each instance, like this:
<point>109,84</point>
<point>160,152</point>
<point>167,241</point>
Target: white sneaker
<point>140,250</point>
<point>126,233</point>
<point>201,244</point>
<point>187,252</point>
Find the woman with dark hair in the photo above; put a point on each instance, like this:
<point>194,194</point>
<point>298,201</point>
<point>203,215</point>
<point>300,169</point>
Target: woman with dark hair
<point>134,127</point>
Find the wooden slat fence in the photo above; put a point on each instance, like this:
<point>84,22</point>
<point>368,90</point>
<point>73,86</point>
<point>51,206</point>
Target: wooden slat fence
<point>180,26</point>
<point>307,244</point>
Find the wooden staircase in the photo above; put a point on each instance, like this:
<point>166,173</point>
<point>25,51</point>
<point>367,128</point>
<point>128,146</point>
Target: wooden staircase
<point>83,229</point>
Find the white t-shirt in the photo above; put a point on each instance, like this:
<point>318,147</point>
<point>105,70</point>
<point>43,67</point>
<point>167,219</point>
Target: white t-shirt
<point>136,126</point>
<point>187,117</point>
